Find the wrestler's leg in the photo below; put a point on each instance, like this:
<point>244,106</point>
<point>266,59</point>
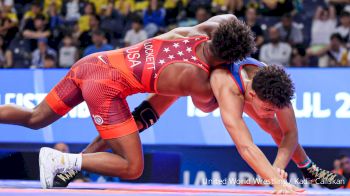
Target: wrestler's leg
<point>127,164</point>
<point>36,118</point>
<point>63,97</point>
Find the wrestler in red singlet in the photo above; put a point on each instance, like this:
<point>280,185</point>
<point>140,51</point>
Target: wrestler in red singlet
<point>105,79</point>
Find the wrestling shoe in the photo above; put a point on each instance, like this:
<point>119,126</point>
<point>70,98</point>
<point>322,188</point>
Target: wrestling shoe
<point>50,162</point>
<point>325,178</point>
<point>63,179</point>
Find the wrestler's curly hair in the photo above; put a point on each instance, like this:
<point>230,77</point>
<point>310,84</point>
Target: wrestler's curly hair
<point>274,85</point>
<point>233,41</point>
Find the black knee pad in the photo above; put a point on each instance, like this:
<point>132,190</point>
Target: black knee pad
<point>145,114</point>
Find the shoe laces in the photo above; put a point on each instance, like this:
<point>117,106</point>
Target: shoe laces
<point>321,173</point>
<point>67,176</point>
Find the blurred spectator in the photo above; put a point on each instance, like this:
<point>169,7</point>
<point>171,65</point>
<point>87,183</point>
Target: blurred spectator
<point>141,5</point>
<point>99,5</point>
<point>49,61</point>
<point>85,38</point>
<point>71,11</point>
<point>56,3</point>
<point>235,7</point>
<point>299,58</point>
<point>18,54</point>
<point>35,9</point>
<point>8,26</point>
<point>55,19</point>
<point>38,31</point>
<point>51,19</point>
<point>55,24</point>
<point>250,17</point>
<point>323,25</point>
<point>275,52</point>
<point>276,7</point>
<point>219,6</point>
<point>340,5</point>
<point>202,14</point>
<point>136,34</point>
<point>62,147</point>
<point>125,7</point>
<point>193,6</point>
<point>175,10</point>
<point>289,31</point>
<point>112,23</point>
<point>345,168</point>
<point>344,28</point>
<point>336,166</point>
<point>39,54</point>
<point>84,20</point>
<point>154,17</point>
<point>68,53</point>
<point>8,12</point>
<point>2,54</point>
<point>7,3</point>
<point>99,44</point>
<point>337,54</point>
<point>75,33</point>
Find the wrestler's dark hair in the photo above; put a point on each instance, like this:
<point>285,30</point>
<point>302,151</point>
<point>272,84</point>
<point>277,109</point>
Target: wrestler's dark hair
<point>233,41</point>
<point>273,85</point>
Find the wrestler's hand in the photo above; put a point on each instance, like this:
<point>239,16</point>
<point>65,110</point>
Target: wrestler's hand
<point>284,187</point>
<point>282,173</point>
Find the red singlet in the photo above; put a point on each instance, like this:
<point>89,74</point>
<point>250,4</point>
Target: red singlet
<point>105,79</point>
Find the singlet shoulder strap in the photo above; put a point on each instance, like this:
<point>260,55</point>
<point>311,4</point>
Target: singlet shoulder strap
<point>236,68</point>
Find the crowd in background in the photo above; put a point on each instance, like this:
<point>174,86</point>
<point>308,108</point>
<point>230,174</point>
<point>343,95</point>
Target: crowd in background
<point>56,33</point>
<point>342,166</point>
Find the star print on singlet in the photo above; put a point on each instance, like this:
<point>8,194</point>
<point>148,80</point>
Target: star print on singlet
<point>147,59</point>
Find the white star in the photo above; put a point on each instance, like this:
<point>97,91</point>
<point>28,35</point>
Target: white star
<point>200,64</point>
<point>171,57</point>
<point>185,60</point>
<point>188,49</point>
<point>166,50</point>
<point>185,41</point>
<point>161,61</point>
<point>180,53</point>
<point>176,45</point>
<point>197,38</point>
<point>194,58</point>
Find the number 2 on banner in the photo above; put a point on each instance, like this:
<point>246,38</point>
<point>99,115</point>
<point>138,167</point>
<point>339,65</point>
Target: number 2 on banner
<point>344,110</point>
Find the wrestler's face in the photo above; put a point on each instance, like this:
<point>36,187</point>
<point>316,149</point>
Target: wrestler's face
<point>262,108</point>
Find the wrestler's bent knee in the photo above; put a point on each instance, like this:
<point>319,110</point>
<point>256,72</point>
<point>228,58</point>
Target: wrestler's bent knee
<point>133,173</point>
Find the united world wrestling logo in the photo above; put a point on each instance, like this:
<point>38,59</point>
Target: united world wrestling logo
<point>98,119</point>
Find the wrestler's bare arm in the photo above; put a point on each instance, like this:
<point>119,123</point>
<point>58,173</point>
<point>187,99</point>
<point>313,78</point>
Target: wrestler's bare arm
<point>231,105</point>
<point>283,126</point>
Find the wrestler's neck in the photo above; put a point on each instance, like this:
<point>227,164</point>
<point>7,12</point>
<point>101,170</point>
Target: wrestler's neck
<point>247,75</point>
<point>248,88</point>
<point>208,55</point>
